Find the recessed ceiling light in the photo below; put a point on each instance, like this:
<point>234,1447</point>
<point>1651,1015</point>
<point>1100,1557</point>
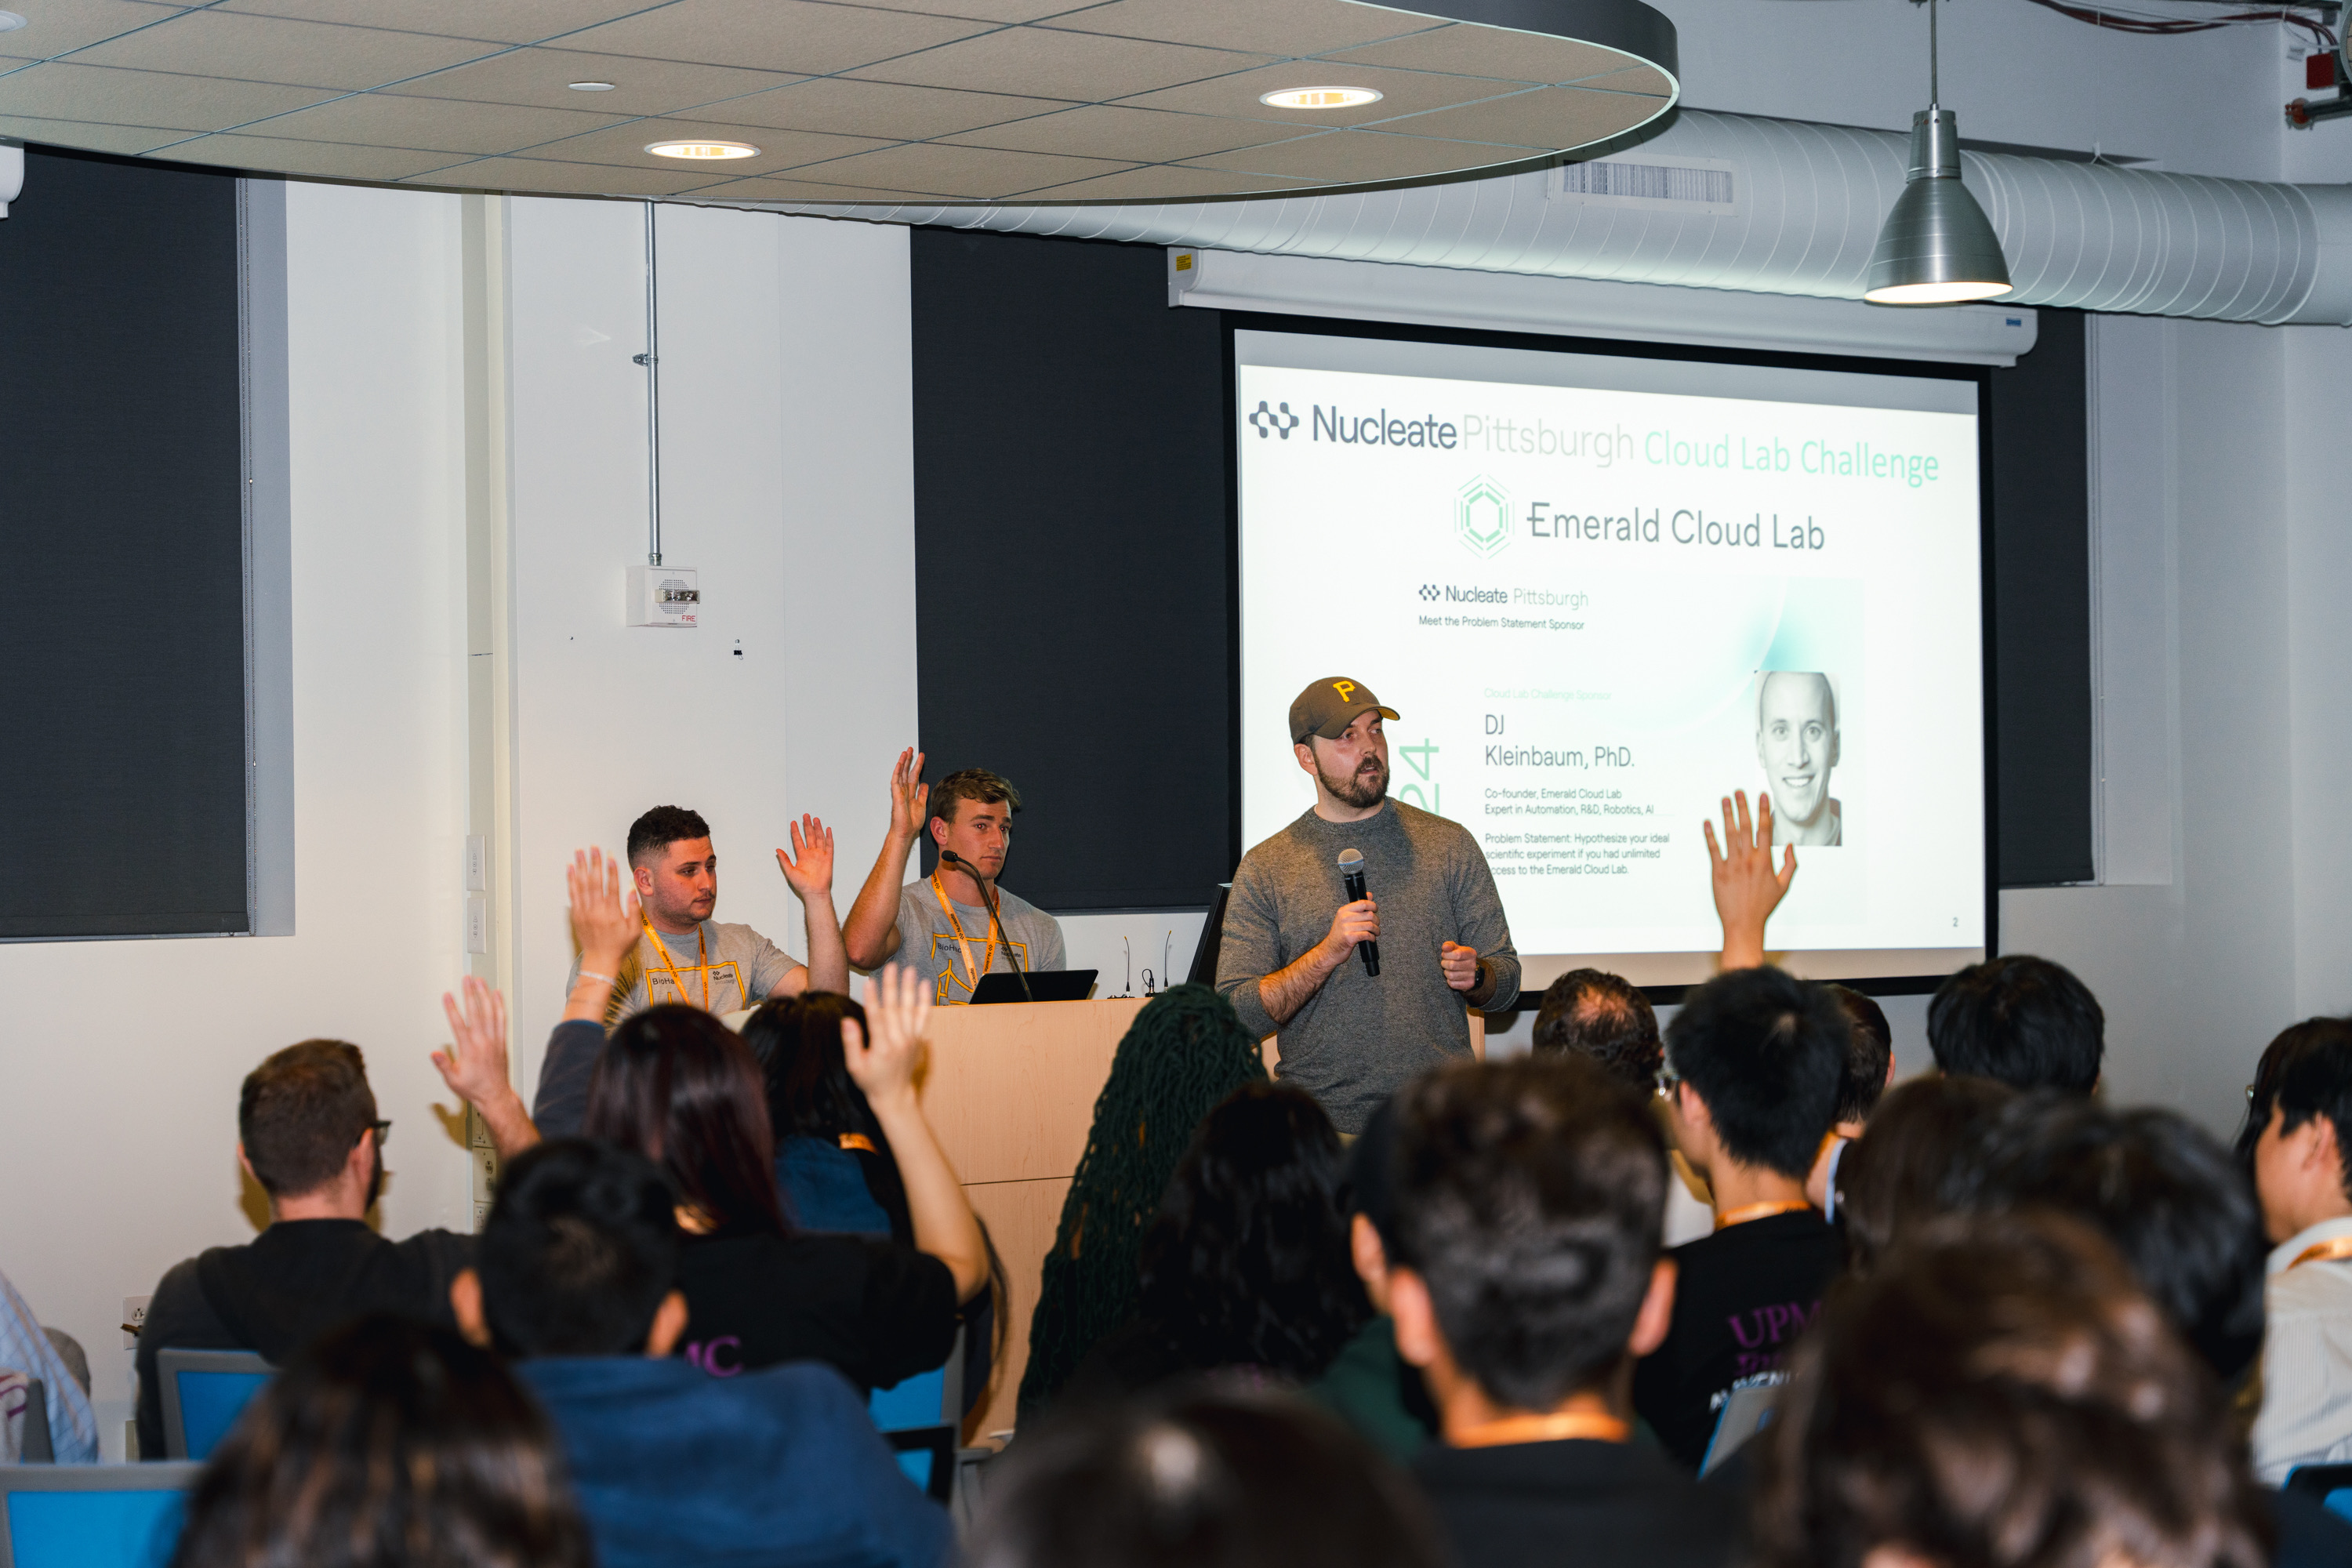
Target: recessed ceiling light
<point>10,21</point>
<point>1320,97</point>
<point>590,86</point>
<point>702,150</point>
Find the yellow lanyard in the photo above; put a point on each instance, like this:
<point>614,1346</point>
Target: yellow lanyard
<point>701,959</point>
<point>2333,1249</point>
<point>1542,1429</point>
<point>1758,1211</point>
<point>964,941</point>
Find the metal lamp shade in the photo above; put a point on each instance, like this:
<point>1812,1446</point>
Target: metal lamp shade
<point>1936,247</point>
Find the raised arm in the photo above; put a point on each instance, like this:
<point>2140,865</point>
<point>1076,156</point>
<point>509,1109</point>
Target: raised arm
<point>604,923</point>
<point>809,871</point>
<point>870,935</point>
<point>474,1066</point>
<point>1746,889</point>
<point>897,1006</point>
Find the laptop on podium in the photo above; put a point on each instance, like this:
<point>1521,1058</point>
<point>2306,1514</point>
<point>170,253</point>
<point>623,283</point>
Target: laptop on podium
<point>1045,986</point>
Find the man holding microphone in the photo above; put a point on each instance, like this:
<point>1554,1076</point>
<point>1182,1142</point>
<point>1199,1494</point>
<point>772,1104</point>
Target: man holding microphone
<point>1288,960</point>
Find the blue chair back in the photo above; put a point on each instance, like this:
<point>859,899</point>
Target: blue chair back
<point>914,1405</point>
<point>2331,1485</point>
<point>92,1516</point>
<point>203,1394</point>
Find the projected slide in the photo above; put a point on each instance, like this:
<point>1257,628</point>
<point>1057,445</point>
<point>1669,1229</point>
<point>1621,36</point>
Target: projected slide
<point>1603,592</point>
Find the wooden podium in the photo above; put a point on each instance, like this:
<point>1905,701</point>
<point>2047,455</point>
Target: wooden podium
<point>1010,1090</point>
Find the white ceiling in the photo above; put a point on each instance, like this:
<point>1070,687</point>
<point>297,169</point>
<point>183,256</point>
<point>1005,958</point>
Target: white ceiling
<point>879,101</point>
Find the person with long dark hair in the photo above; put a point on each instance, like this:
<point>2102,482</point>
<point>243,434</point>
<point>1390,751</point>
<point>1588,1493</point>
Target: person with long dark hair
<point>382,1444</point>
<point>834,1160</point>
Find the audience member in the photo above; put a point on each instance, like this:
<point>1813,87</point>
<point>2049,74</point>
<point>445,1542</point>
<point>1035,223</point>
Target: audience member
<point>384,1444</point>
<point>1526,1283</point>
<point>2300,1177</point>
<point>2161,1189</point>
<point>1746,887</point>
<point>28,1348</point>
<point>1909,1168</point>
<point>579,1273</point>
<point>1604,1016</point>
<point>1368,1386</point>
<point>1247,1265</point>
<point>1999,1394</point>
<point>1869,1068</point>
<point>833,1160</point>
<point>2023,1020</point>
<point>308,1134</point>
<point>1185,1052</point>
<point>1199,1477</point>
<point>1753,1060</point>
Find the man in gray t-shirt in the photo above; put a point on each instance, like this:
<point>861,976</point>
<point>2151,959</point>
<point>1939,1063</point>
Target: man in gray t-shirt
<point>1288,958</point>
<point>939,924</point>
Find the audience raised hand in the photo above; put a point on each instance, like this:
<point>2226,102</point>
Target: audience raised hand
<point>882,1057</point>
<point>474,1065</point>
<point>1746,889</point>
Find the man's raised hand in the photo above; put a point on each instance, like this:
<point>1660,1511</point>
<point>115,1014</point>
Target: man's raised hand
<point>898,1007</point>
<point>1746,889</point>
<point>909,796</point>
<point>809,867</point>
<point>474,1066</point>
<point>604,921</point>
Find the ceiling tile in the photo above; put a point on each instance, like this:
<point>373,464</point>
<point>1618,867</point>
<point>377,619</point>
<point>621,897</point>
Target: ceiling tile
<point>86,134</point>
<point>1468,51</point>
<point>437,124</point>
<point>1404,92</point>
<point>792,188</point>
<point>325,160</point>
<point>1169,185</point>
<point>1550,117</point>
<point>975,172</point>
<point>879,109</point>
<point>978,10</point>
<point>1362,156</point>
<point>272,48</point>
<point>773,34</point>
<point>542,76</point>
<point>1647,80</point>
<point>57,26</point>
<point>1047,64</point>
<point>626,145</point>
<point>1288,27</point>
<point>566,179</point>
<point>67,91</point>
<point>1138,135</point>
<point>500,21</point>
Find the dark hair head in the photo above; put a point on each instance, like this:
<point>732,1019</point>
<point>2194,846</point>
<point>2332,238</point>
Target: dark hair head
<point>2023,1020</point>
<point>1606,1018</point>
<point>1247,1264</point>
<point>580,1247</point>
<point>796,1041</point>
<point>1530,1195</point>
<point>662,827</point>
<point>382,1444</point>
<point>300,1113</point>
<point>2172,1200</point>
<point>1867,1054</point>
<point>2306,1073</point>
<point>1906,1168</point>
<point>1236,1479</point>
<point>2001,1395</point>
<point>973,784</point>
<point>1764,1051</point>
<point>676,1085</point>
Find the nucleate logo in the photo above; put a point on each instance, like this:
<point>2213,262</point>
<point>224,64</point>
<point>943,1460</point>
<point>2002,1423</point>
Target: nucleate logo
<point>1481,517</point>
<point>1268,420</point>
<point>1429,590</point>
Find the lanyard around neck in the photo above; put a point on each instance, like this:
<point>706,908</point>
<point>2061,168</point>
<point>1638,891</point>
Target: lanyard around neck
<point>1766,1210</point>
<point>701,959</point>
<point>2334,1249</point>
<point>1542,1429</point>
<point>964,941</point>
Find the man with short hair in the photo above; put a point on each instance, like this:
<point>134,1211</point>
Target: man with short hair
<point>1797,742</point>
<point>728,967</point>
<point>1288,961</point>
<point>2023,1020</point>
<point>308,1133</point>
<point>1527,1282</point>
<point>2300,1177</point>
<point>1604,1016</point>
<point>782,1466</point>
<point>940,925</point>
<point>1753,1060</point>
<point>1869,1069</point>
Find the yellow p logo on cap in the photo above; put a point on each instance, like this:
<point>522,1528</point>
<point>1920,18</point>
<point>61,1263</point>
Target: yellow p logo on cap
<point>1344,688</point>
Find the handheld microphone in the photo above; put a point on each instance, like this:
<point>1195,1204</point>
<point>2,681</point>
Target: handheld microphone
<point>1352,878</point>
<point>950,857</point>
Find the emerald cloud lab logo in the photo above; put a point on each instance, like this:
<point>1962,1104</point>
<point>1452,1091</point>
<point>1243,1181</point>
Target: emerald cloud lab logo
<point>1481,517</point>
<point>1275,421</point>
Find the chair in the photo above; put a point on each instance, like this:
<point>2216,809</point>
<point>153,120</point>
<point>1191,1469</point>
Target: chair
<point>92,1516</point>
<point>203,1394</point>
<point>922,1416</point>
<point>2330,1486</point>
<point>40,1445</point>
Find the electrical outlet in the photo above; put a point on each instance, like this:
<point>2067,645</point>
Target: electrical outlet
<point>135,1317</point>
<point>477,863</point>
<point>477,925</point>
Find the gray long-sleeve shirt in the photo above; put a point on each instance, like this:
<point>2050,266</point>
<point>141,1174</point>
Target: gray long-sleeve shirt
<point>1358,1040</point>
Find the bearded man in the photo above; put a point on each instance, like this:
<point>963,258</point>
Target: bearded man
<point>1288,961</point>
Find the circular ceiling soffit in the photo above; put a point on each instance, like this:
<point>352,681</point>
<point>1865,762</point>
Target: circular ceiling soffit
<point>1131,101</point>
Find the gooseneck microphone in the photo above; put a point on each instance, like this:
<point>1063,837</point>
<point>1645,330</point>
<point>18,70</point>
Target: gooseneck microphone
<point>1352,878</point>
<point>950,856</point>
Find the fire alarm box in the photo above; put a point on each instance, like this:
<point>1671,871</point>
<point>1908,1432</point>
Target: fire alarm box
<point>664,596</point>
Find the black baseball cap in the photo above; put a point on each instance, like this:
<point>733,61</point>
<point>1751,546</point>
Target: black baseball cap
<point>1329,706</point>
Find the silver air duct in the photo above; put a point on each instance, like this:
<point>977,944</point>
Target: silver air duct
<point>1798,214</point>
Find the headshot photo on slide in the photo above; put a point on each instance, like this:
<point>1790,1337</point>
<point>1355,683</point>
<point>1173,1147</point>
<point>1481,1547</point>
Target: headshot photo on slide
<point>1797,744</point>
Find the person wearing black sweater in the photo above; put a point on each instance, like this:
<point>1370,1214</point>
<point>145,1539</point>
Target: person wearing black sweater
<point>308,1133</point>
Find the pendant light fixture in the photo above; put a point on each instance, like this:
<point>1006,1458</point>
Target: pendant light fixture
<point>1936,247</point>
